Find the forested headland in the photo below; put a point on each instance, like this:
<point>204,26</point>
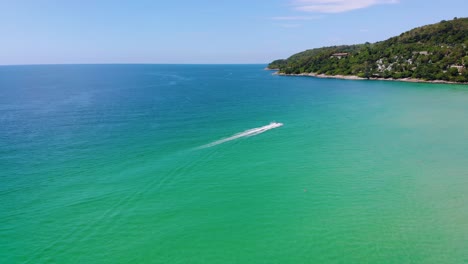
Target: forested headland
<point>432,52</point>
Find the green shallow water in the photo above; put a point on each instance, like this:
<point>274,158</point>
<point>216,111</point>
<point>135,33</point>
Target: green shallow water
<point>102,164</point>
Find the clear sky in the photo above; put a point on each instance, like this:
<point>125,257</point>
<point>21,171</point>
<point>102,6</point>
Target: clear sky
<point>200,31</point>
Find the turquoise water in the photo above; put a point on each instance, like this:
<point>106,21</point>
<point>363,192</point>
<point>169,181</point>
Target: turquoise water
<point>115,164</point>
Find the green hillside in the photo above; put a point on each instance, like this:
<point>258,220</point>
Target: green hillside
<point>433,52</point>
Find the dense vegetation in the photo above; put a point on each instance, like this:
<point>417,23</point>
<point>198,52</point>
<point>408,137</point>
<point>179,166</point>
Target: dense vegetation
<point>432,52</point>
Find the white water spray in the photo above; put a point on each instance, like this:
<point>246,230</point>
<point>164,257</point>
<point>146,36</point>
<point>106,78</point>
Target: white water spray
<point>247,133</point>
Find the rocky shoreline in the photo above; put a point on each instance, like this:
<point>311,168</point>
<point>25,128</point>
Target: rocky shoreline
<point>353,77</point>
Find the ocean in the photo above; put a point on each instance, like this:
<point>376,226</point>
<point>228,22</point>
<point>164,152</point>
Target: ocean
<point>229,164</point>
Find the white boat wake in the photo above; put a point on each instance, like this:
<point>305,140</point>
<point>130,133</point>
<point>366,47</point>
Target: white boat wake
<point>247,133</point>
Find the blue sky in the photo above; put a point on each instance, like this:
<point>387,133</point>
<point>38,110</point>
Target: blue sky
<point>183,31</point>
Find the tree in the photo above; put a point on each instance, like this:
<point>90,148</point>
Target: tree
<point>400,56</point>
<point>453,72</point>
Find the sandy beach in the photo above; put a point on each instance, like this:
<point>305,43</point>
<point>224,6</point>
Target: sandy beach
<point>353,77</point>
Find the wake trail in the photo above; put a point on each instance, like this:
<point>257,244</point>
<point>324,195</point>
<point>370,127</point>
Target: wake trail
<point>247,133</point>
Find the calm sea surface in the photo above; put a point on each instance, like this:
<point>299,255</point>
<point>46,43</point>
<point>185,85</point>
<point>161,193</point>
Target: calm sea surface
<point>159,164</point>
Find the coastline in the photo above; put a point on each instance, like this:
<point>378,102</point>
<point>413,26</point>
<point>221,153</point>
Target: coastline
<point>354,77</point>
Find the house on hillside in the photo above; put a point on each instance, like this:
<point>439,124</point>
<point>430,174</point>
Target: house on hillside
<point>458,67</point>
<point>339,55</point>
<point>421,52</point>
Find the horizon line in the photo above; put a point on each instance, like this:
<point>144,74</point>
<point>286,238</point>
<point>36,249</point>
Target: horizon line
<point>129,63</point>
